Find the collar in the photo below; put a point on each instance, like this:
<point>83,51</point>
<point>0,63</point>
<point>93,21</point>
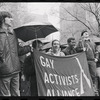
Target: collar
<point>4,31</point>
<point>56,54</point>
<point>86,39</point>
<point>71,48</point>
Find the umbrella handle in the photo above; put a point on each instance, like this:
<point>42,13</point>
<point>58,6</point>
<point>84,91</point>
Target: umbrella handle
<point>35,34</point>
<point>36,37</point>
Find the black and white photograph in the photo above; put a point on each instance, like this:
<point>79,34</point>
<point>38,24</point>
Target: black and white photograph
<point>49,49</point>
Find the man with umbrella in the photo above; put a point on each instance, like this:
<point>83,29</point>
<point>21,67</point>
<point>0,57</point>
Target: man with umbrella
<point>9,60</point>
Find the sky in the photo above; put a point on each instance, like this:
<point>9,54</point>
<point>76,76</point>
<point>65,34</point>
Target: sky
<point>46,9</point>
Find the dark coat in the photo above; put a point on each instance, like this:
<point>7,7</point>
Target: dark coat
<point>68,50</point>
<point>98,57</point>
<point>30,74</point>
<point>28,67</point>
<point>9,52</point>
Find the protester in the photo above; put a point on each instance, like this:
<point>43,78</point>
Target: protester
<point>98,64</point>
<point>88,46</point>
<point>71,48</point>
<point>24,85</point>
<point>29,68</point>
<point>9,60</point>
<point>98,57</point>
<point>56,51</point>
<point>21,58</point>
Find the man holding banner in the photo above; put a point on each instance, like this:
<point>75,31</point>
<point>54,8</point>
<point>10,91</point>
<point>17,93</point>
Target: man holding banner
<point>71,49</point>
<point>29,69</point>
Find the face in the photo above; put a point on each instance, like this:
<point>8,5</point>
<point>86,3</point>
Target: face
<point>8,21</point>
<point>98,48</point>
<point>72,43</point>
<point>85,35</point>
<point>39,47</point>
<point>56,45</point>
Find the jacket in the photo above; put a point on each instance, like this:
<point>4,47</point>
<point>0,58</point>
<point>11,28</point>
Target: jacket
<point>9,52</point>
<point>90,49</point>
<point>29,67</point>
<point>68,50</point>
<point>30,74</point>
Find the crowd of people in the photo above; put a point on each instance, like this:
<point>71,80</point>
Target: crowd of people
<point>16,65</point>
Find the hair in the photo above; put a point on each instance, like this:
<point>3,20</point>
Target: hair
<point>35,43</point>
<point>69,39</point>
<point>3,15</point>
<point>54,41</point>
<point>83,32</point>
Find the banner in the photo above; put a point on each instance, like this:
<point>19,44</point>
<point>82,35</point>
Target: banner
<point>62,76</point>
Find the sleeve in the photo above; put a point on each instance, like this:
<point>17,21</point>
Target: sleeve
<point>99,57</point>
<point>79,47</point>
<point>1,51</point>
<point>22,50</point>
<point>66,51</point>
<point>2,64</point>
<point>94,48</point>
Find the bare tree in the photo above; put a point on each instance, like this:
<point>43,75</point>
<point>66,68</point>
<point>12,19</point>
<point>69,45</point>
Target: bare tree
<point>94,9</point>
<point>90,8</point>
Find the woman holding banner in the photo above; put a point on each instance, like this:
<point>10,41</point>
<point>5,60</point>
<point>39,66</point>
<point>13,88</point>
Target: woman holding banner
<point>56,51</point>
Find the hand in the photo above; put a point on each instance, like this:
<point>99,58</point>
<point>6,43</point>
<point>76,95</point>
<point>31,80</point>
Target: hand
<point>95,59</point>
<point>84,49</point>
<point>31,47</point>
<point>22,44</point>
<point>23,77</point>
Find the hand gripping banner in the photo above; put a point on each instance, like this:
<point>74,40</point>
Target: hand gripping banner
<point>62,76</point>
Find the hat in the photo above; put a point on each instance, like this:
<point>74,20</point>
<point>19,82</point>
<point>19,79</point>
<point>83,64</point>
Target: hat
<point>83,32</point>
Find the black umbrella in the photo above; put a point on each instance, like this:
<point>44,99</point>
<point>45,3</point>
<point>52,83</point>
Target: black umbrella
<point>34,30</point>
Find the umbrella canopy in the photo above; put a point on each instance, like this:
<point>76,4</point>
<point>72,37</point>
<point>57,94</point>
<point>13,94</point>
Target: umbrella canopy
<point>34,30</point>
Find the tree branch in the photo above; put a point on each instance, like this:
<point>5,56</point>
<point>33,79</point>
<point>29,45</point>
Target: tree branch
<point>76,18</point>
<point>84,7</point>
<point>91,11</point>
